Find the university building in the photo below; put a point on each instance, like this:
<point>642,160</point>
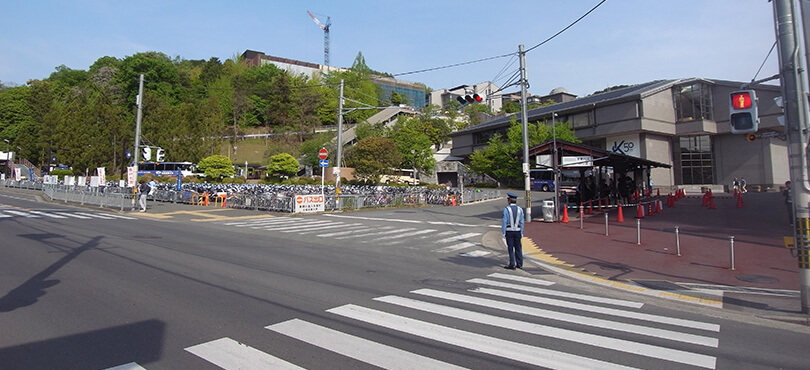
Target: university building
<point>682,123</point>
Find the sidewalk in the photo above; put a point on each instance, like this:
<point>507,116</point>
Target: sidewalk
<point>765,274</point>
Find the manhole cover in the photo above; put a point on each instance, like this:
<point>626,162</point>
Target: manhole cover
<point>761,279</point>
<point>660,285</point>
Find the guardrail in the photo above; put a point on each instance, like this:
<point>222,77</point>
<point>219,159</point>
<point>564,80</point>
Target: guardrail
<point>123,198</point>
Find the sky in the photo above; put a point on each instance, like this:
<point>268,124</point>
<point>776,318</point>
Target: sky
<point>622,42</point>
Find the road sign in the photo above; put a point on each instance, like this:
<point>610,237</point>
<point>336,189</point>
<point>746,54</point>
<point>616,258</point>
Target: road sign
<point>324,163</point>
<point>323,153</point>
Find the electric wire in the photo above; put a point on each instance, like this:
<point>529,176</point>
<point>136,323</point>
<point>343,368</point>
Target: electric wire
<point>764,61</point>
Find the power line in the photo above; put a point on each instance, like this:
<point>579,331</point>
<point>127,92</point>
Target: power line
<point>567,27</point>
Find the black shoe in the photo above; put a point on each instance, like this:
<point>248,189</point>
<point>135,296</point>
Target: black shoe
<point>509,267</point>
<point>520,267</point>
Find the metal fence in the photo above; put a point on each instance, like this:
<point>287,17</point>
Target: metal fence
<point>125,199</point>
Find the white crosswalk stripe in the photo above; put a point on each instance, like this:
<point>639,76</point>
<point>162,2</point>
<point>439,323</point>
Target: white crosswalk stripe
<point>7,213</point>
<point>631,342</point>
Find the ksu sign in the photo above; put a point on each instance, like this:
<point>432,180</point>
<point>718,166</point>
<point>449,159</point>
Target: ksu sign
<point>309,203</point>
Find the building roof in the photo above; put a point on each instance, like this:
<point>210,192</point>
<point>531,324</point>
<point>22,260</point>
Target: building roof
<point>629,93</point>
<point>600,157</point>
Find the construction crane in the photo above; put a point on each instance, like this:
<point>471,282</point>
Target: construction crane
<point>325,28</point>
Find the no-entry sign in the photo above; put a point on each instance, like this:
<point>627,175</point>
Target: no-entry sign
<point>323,153</point>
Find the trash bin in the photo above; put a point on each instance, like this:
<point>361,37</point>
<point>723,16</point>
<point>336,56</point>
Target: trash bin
<point>548,211</point>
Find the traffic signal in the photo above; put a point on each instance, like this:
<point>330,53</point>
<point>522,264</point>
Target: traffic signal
<point>146,153</point>
<point>743,113</point>
<point>160,155</point>
<point>469,99</point>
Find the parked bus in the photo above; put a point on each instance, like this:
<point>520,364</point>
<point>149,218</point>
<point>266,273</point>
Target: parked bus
<point>167,168</point>
<point>543,179</point>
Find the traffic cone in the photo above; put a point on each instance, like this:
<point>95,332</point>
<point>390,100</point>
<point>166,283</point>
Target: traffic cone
<point>660,208</point>
<point>670,200</point>
<point>650,208</point>
<point>705,199</point>
<point>599,205</point>
<point>620,216</point>
<point>657,192</point>
<point>590,208</point>
<point>639,211</point>
<point>711,202</point>
<point>739,200</point>
<point>565,215</point>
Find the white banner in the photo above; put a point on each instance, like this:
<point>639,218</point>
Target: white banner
<point>132,176</point>
<point>101,173</point>
<point>309,203</point>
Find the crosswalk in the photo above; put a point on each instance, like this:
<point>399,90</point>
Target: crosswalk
<point>566,330</point>
<point>7,212</point>
<point>398,233</point>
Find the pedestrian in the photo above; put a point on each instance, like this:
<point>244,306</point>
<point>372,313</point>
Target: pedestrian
<point>143,192</point>
<point>735,184</point>
<point>788,194</point>
<point>742,185</point>
<point>512,231</point>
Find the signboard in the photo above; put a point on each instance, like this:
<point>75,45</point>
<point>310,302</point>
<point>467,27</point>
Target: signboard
<point>101,173</point>
<point>324,163</point>
<point>132,176</point>
<point>323,153</point>
<point>627,145</point>
<point>577,161</point>
<point>544,160</point>
<point>309,203</point>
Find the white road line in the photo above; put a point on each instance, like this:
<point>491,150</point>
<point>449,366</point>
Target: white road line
<point>51,215</point>
<point>129,366</point>
<point>294,225</point>
<point>349,230</point>
<point>521,279</point>
<point>76,215</point>
<point>494,346</point>
<point>376,219</point>
<point>20,213</point>
<point>474,254</point>
<point>113,215</point>
<point>357,348</point>
<point>337,225</point>
<point>583,297</point>
<point>385,230</point>
<point>411,234</point>
<point>615,344</point>
<point>601,310</point>
<point>95,215</point>
<point>457,237</point>
<point>313,226</point>
<point>576,319</point>
<point>455,247</point>
<point>3,215</point>
<point>230,354</point>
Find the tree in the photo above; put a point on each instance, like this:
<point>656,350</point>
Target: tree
<point>373,157</point>
<point>414,144</point>
<point>216,167</point>
<point>501,157</point>
<point>282,165</point>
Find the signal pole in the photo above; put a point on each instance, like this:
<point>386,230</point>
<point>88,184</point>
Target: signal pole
<point>794,86</point>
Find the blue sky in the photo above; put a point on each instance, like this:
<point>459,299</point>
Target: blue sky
<point>621,42</point>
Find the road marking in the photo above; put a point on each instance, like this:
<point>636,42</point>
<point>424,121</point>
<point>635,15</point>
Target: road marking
<point>521,279</point>
<point>95,215</point>
<point>348,230</point>
<point>20,213</point>
<point>357,348</point>
<point>616,302</point>
<point>457,237</point>
<point>51,215</point>
<point>455,247</point>
<point>475,254</point>
<point>403,235</point>
<point>230,354</point>
<point>129,366</point>
<point>576,319</point>
<point>385,230</point>
<point>601,310</point>
<point>498,347</point>
<point>614,344</point>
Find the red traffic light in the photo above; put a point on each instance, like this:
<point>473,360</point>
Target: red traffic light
<point>469,99</point>
<point>741,100</point>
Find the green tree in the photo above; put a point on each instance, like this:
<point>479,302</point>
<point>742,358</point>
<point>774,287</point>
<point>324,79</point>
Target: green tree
<point>414,144</point>
<point>216,167</point>
<point>501,157</point>
<point>373,157</point>
<point>282,165</point>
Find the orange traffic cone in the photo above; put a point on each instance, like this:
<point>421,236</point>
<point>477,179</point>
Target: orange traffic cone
<point>739,200</point>
<point>590,208</point>
<point>650,208</point>
<point>659,207</point>
<point>639,211</point>
<point>565,215</point>
<point>711,202</point>
<point>620,216</point>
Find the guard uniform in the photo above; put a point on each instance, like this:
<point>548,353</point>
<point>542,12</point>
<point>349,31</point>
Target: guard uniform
<point>512,231</point>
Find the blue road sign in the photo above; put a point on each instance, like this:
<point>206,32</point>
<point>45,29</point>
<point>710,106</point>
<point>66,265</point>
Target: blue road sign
<point>324,162</point>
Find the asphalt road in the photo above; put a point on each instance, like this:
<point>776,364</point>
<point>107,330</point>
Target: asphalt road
<point>87,289</point>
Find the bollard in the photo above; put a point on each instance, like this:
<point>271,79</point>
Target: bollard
<point>731,250</point>
<point>678,240</point>
<point>638,232</point>
<point>581,215</point>
<point>606,224</point>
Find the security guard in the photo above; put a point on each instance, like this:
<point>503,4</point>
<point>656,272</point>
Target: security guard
<point>512,231</point>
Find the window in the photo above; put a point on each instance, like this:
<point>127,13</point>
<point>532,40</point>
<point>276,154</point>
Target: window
<point>693,102</point>
<point>696,160</point>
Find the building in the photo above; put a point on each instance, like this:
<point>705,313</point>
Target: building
<point>683,123</point>
<point>415,92</point>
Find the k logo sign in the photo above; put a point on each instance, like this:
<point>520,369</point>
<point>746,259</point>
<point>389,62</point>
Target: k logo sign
<point>623,147</point>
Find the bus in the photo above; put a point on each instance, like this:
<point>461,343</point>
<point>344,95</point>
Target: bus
<point>182,169</point>
<point>543,179</point>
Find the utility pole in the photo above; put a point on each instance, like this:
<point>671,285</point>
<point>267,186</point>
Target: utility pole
<point>794,97</point>
<point>138,118</point>
<point>524,82</point>
<point>339,154</point>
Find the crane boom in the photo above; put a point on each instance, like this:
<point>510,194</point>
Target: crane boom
<point>325,28</point>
